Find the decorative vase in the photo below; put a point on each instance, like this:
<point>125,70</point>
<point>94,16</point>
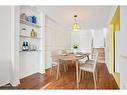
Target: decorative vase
<point>23,16</point>
<point>75,50</point>
<point>33,33</point>
<point>34,19</point>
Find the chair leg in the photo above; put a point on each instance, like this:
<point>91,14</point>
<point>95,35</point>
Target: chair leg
<point>80,75</point>
<point>64,67</point>
<point>94,80</point>
<point>51,70</point>
<point>96,76</point>
<point>67,67</point>
<point>83,74</point>
<point>58,71</point>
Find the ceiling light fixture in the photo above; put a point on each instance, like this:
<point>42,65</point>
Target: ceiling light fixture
<point>76,26</point>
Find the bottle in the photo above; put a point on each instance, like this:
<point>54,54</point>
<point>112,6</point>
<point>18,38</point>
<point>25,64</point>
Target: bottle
<point>27,46</point>
<point>23,46</point>
<point>34,20</point>
<point>29,19</point>
<point>35,34</point>
<point>32,33</point>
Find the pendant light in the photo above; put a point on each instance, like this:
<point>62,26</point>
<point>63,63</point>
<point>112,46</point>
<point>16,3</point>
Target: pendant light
<point>76,26</point>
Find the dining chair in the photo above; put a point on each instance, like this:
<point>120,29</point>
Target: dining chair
<point>64,52</point>
<point>55,61</point>
<point>83,60</point>
<point>90,67</point>
<point>93,52</point>
<point>92,55</point>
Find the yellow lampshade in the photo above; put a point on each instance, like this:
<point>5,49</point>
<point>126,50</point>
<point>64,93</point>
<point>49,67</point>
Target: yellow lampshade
<point>76,26</point>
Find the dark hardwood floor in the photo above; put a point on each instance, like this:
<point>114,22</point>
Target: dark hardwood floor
<point>105,80</point>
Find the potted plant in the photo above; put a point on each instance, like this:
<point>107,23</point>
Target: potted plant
<point>75,47</point>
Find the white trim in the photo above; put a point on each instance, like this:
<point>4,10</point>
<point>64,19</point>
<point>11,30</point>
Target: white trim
<point>14,69</point>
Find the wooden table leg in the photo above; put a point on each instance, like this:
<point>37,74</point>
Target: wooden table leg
<point>58,70</point>
<point>77,74</point>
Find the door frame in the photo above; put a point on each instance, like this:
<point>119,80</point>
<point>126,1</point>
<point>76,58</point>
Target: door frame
<point>115,27</point>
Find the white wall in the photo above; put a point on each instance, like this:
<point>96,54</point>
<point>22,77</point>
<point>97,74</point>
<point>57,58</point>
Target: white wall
<point>123,47</point>
<point>83,38</point>
<point>56,38</point>
<point>75,39</point>
<point>121,65</point>
<point>99,38</point>
<point>9,65</point>
<point>5,44</point>
<point>107,50</point>
<point>15,45</point>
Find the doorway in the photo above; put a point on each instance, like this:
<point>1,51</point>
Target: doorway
<point>115,44</point>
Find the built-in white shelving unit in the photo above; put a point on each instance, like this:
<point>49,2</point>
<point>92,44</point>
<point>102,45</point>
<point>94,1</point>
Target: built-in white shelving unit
<point>31,60</point>
<point>26,37</point>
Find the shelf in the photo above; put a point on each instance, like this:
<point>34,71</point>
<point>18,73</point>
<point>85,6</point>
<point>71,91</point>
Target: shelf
<point>30,37</point>
<point>29,23</point>
<point>31,51</point>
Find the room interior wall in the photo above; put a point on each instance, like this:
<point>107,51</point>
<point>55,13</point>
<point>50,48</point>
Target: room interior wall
<point>122,61</point>
<point>9,57</point>
<point>107,50</point>
<point>123,47</point>
<point>14,73</point>
<point>99,38</point>
<point>84,39</point>
<point>5,44</point>
<point>56,38</point>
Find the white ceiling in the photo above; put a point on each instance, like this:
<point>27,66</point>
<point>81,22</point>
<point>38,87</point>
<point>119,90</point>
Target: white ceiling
<point>88,16</point>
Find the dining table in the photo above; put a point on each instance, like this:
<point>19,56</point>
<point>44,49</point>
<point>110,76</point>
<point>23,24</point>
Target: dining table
<point>71,57</point>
